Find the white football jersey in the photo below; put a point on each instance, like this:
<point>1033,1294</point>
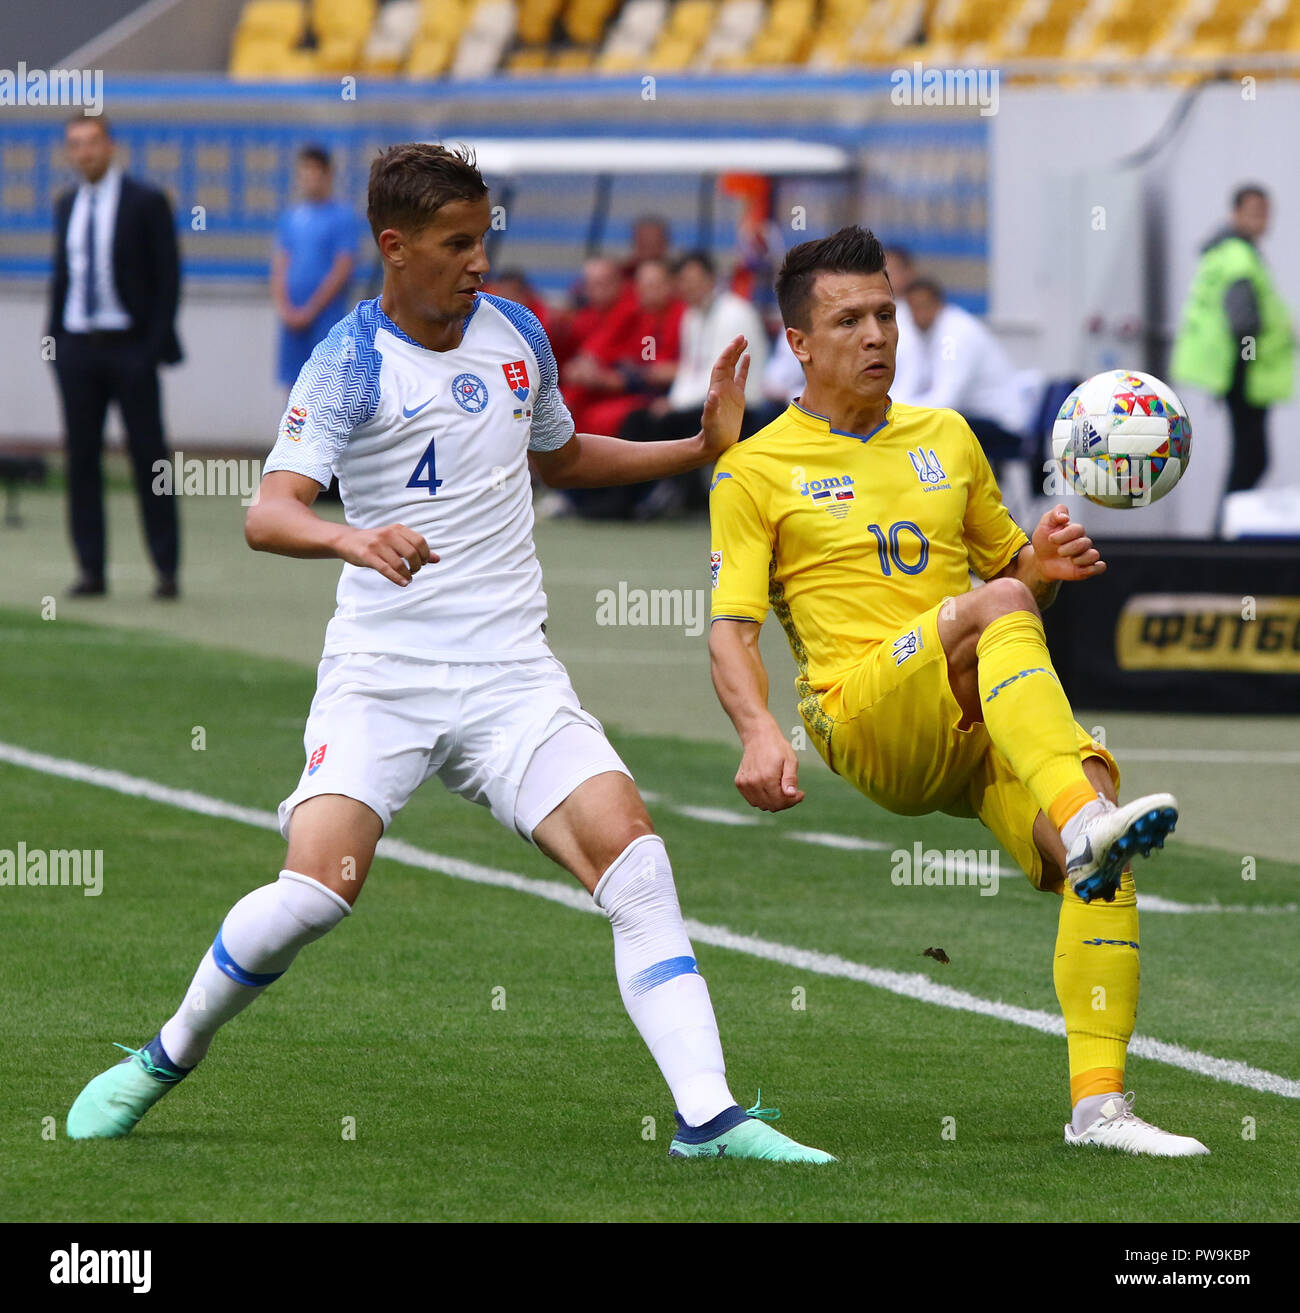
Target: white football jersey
<point>437,441</point>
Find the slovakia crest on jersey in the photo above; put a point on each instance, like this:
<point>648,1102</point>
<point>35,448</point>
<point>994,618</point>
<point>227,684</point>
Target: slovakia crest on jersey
<point>516,373</point>
<point>470,392</point>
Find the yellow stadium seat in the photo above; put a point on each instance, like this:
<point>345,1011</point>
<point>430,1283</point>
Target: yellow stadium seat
<point>585,20</point>
<point>282,20</point>
<point>340,18</point>
<point>537,20</point>
<point>576,59</point>
<point>531,59</point>
<point>430,57</point>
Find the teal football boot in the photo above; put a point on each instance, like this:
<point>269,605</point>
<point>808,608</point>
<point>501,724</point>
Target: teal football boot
<point>737,1132</point>
<point>116,1099</point>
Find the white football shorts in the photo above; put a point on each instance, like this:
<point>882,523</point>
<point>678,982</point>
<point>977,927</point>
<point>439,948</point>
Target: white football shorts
<point>381,725</point>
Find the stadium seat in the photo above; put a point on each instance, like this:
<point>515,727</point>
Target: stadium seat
<point>342,18</point>
<point>738,23</point>
<point>786,36</point>
<point>585,20</point>
<point>528,59</point>
<point>264,40</point>
<point>430,56</point>
<point>389,43</point>
<point>683,35</point>
<point>537,21</point>
<point>490,29</point>
<point>632,35</point>
<point>281,20</point>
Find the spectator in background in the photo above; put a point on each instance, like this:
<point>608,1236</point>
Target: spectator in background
<point>961,366</point>
<point>626,362</point>
<point>312,266</point>
<point>600,298</point>
<point>1236,339</point>
<point>783,379</point>
<point>712,319</point>
<point>901,272</point>
<point>651,240</point>
<point>112,316</point>
<point>628,359</point>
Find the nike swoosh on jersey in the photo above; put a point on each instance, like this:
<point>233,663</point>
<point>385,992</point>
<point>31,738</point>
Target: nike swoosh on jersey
<point>411,413</point>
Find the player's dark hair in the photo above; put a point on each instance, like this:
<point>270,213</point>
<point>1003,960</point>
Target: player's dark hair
<point>852,250</point>
<point>99,120</point>
<point>1245,192</point>
<point>410,183</point>
<point>317,155</point>
<point>929,285</point>
<point>700,257</point>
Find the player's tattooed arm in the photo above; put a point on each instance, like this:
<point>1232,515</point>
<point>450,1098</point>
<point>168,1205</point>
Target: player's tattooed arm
<point>768,775</point>
<point>592,460</point>
<point>1059,552</point>
<point>281,520</point>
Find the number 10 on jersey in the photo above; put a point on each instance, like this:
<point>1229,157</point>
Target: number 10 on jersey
<point>426,462</point>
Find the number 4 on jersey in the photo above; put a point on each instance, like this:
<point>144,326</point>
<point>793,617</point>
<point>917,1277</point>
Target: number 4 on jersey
<point>426,462</point>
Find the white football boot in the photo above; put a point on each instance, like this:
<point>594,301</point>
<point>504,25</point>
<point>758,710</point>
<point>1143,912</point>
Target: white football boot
<point>1119,1127</point>
<point>1108,837</point>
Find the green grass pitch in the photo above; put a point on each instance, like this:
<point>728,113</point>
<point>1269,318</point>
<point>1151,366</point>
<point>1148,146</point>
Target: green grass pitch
<point>542,1109</point>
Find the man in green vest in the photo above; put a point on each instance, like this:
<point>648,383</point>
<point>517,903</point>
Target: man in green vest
<point>1235,340</point>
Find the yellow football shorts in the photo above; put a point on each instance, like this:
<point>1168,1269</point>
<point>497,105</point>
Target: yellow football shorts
<point>894,736</point>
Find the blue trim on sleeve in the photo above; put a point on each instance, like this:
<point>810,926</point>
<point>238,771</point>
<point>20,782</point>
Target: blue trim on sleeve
<point>235,971</point>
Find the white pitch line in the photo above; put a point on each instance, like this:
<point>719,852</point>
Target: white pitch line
<point>851,843</point>
<point>847,842</point>
<point>911,985</point>
<point>1153,903</point>
<point>1212,756</point>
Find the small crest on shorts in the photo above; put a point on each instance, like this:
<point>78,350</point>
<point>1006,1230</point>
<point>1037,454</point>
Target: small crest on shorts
<point>908,645</point>
<point>317,758</point>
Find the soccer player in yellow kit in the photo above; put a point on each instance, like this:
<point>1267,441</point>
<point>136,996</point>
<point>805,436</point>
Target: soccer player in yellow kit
<point>859,523</point>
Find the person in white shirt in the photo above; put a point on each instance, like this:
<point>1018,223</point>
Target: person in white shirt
<point>963,367</point>
<point>908,381</point>
<point>429,403</point>
<point>714,316</point>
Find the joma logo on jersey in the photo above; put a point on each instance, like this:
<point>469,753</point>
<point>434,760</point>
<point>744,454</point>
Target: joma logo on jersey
<point>927,467</point>
<point>825,489</point>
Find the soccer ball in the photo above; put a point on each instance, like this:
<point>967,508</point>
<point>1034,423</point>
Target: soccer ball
<point>1122,439</point>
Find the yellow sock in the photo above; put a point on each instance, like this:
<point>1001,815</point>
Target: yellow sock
<point>1096,974</point>
<point>1028,715</point>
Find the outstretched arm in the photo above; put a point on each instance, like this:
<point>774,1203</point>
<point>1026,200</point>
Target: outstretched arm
<point>768,776</point>
<point>591,460</point>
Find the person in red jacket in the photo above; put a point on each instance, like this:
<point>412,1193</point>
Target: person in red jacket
<point>627,359</point>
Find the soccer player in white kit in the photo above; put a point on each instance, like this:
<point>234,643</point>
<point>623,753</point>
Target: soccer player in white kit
<point>428,403</point>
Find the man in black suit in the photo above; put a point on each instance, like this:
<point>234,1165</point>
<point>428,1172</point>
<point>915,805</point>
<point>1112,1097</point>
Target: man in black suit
<point>113,305</point>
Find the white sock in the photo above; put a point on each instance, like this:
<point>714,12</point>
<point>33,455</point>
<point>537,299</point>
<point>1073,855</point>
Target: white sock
<point>1070,830</point>
<point>662,989</point>
<point>1086,1111</point>
<point>259,938</point>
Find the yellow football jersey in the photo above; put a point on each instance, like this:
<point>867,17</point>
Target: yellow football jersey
<point>848,537</point>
